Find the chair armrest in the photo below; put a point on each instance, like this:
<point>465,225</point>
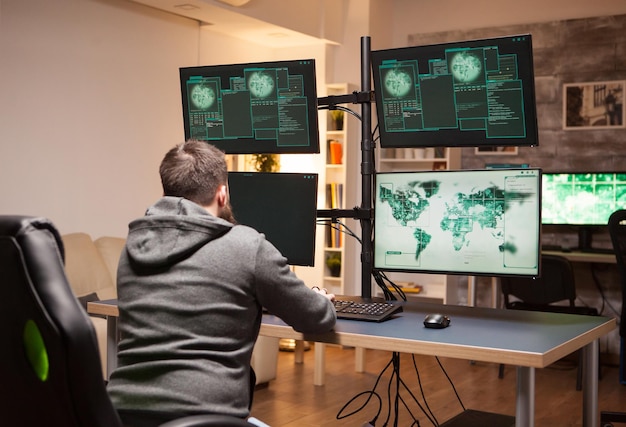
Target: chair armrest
<point>209,420</point>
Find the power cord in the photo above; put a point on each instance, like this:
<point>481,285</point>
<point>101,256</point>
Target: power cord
<point>339,226</point>
<point>394,397</point>
<point>384,283</point>
<point>451,383</point>
<point>371,393</point>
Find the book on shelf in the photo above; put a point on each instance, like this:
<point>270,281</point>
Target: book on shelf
<point>334,200</point>
<point>335,152</point>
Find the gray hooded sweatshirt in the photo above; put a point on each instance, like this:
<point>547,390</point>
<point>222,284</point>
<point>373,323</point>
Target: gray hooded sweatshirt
<point>190,291</point>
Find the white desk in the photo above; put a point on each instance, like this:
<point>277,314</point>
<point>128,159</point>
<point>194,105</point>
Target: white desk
<point>526,339</point>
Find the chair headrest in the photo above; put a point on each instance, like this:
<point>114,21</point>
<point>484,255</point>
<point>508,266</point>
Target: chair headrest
<point>19,225</point>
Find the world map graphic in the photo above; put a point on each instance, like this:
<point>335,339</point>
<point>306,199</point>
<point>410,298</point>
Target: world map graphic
<point>482,207</point>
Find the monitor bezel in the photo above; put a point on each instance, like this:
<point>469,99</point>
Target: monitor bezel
<point>305,67</point>
<point>466,272</point>
<point>456,137</point>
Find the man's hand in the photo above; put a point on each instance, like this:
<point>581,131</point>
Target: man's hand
<point>323,291</point>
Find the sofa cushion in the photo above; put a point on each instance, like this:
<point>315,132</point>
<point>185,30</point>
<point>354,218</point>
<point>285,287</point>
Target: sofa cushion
<point>85,268</point>
<point>110,249</point>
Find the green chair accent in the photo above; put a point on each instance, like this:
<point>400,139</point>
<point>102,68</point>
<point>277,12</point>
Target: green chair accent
<point>36,350</point>
<point>50,372</point>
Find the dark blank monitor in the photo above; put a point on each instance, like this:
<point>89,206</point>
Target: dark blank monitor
<point>471,222</point>
<point>266,107</point>
<point>283,206</point>
<point>462,94</point>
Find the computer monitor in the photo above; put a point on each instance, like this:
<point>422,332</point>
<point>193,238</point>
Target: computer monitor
<point>283,206</point>
<point>266,107</point>
<point>463,94</point>
<point>470,222</point>
<point>582,201</point>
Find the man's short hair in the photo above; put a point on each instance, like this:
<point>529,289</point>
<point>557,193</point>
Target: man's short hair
<point>193,170</point>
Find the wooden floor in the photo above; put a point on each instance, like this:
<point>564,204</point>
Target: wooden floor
<point>292,400</point>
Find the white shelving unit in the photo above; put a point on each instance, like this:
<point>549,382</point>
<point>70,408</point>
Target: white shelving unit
<point>435,287</point>
<point>341,188</point>
<point>410,159</point>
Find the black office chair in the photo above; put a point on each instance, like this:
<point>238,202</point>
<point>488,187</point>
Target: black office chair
<point>617,230</point>
<point>555,285</point>
<point>50,372</point>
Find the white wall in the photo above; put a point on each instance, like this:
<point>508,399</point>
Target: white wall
<point>89,102</point>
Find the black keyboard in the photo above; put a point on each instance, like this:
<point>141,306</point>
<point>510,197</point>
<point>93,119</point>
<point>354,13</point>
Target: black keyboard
<point>375,310</point>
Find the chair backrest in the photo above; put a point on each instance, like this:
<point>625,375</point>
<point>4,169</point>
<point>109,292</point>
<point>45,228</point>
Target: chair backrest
<point>617,230</point>
<point>50,371</point>
<point>555,284</point>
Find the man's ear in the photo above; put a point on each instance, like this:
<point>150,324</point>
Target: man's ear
<point>222,196</point>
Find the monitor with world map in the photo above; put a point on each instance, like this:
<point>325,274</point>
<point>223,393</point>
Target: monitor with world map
<point>463,94</point>
<point>470,222</point>
<point>257,108</point>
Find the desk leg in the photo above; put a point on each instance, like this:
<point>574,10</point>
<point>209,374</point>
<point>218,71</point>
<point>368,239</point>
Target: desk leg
<point>112,339</point>
<point>590,384</point>
<point>298,351</point>
<point>495,292</point>
<point>319,370</point>
<point>471,291</point>
<point>359,359</point>
<point>525,407</point>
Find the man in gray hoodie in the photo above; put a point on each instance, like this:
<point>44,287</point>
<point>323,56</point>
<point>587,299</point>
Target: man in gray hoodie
<point>191,287</point>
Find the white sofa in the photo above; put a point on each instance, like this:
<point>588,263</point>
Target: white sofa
<point>91,269</point>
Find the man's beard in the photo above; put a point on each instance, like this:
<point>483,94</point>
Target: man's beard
<point>226,212</point>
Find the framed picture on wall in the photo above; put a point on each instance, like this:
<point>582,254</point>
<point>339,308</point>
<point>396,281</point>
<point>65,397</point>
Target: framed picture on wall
<point>593,105</point>
<point>498,151</point>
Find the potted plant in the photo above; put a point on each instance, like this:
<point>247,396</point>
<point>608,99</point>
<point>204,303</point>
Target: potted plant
<point>336,119</point>
<point>265,162</point>
<point>333,262</point>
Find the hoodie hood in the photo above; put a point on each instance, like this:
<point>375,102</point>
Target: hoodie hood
<point>172,229</point>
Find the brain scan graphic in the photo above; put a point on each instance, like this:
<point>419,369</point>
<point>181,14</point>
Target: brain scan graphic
<point>202,97</point>
<point>466,67</point>
<point>261,85</point>
<point>398,82</point>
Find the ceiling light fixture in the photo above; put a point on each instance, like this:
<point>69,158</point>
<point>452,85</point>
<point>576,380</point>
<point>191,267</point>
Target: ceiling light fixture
<point>277,35</point>
<point>186,6</point>
<point>235,3</point>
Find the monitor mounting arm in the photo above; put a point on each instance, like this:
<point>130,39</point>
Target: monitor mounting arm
<point>364,97</point>
<point>331,102</point>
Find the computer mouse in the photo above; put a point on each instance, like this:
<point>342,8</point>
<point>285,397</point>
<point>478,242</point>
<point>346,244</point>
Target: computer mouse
<point>436,321</point>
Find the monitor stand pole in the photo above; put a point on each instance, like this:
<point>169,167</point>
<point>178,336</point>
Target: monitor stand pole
<point>368,167</point>
<point>364,212</point>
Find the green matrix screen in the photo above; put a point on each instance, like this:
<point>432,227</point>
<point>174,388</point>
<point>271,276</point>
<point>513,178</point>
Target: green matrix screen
<point>585,198</point>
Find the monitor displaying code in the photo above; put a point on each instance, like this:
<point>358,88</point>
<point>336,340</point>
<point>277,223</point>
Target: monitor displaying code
<point>469,93</point>
<point>268,107</point>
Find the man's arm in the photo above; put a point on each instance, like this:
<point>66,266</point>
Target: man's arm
<point>283,294</point>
